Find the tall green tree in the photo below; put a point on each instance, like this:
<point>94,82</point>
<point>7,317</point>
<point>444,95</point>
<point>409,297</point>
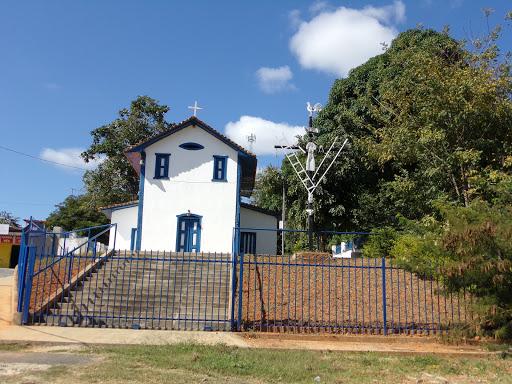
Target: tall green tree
<point>359,192</point>
<point>268,189</point>
<point>114,180</point>
<point>74,213</point>
<point>428,119</point>
<point>447,122</point>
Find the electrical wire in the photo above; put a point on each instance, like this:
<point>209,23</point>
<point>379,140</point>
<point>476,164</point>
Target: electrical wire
<point>38,158</point>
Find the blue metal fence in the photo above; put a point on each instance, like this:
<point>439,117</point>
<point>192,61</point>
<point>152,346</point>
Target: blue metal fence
<point>310,293</point>
<point>46,269</point>
<point>125,289</point>
<point>319,294</point>
<point>314,292</point>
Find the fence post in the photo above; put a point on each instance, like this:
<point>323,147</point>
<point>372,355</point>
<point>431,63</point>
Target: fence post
<point>240,280</point>
<point>22,270</point>
<point>71,258</point>
<point>233,288</point>
<point>31,250</point>
<point>384,309</point>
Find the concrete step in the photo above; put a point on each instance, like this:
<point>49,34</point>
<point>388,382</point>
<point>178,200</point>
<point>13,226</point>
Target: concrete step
<point>144,302</point>
<point>154,290</point>
<point>136,323</point>
<point>126,293</point>
<point>156,315</point>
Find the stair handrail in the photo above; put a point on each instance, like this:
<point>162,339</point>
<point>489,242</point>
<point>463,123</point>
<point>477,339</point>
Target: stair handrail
<point>95,237</point>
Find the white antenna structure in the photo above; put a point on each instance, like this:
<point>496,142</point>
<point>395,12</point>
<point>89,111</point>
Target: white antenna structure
<point>309,182</point>
<point>308,173</point>
<point>251,139</point>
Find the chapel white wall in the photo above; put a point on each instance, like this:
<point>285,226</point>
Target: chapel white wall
<point>126,219</point>
<point>266,241</point>
<point>189,187</point>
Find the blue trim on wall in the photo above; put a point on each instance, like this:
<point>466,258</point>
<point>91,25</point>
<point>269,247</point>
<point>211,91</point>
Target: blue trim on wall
<point>221,161</point>
<point>133,238</point>
<point>191,146</point>
<point>141,200</point>
<point>236,240</point>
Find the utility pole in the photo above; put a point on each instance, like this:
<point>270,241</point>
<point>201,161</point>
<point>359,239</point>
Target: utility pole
<point>283,216</point>
<point>310,169</point>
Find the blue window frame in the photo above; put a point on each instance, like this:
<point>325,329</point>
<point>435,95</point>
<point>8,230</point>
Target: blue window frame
<point>219,168</point>
<point>248,243</point>
<point>162,165</point>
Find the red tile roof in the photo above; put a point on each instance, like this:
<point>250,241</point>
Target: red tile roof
<point>186,122</point>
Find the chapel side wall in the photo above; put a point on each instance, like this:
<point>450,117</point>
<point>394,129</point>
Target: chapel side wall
<point>266,241</point>
<point>126,219</point>
<point>189,187</point>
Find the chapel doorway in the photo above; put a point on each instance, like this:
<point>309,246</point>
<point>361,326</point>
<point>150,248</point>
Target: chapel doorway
<point>189,233</point>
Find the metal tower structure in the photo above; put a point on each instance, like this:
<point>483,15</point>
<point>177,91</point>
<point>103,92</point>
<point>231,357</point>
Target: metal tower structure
<point>308,173</point>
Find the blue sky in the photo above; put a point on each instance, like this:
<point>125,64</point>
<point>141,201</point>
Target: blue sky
<point>69,66</point>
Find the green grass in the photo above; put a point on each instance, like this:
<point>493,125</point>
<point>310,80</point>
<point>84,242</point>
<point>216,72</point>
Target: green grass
<point>187,363</point>
<point>13,347</point>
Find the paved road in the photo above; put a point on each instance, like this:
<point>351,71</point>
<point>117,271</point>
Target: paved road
<point>6,272</point>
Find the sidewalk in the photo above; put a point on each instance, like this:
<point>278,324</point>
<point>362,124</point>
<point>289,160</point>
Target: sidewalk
<point>112,336</point>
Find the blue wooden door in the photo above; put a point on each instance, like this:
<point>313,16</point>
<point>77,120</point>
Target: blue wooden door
<point>189,234</point>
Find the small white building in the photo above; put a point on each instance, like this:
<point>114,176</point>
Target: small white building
<point>192,179</point>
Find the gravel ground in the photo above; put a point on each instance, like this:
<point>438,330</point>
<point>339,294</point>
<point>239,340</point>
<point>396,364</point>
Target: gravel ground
<point>336,296</point>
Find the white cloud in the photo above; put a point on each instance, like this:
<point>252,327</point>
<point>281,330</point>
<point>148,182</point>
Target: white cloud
<point>267,133</point>
<point>337,41</point>
<point>67,158</point>
<point>272,80</point>
<point>318,7</point>
<point>294,19</point>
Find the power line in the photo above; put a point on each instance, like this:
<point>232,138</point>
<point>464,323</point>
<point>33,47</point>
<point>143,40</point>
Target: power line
<point>23,203</point>
<point>38,158</point>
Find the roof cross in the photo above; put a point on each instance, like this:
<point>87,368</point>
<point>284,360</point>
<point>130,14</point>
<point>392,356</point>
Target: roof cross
<point>195,108</point>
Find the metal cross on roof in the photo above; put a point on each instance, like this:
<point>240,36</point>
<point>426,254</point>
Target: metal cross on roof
<point>195,108</point>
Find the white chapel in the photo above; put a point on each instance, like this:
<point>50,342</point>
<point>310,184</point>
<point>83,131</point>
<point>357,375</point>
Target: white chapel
<point>192,180</point>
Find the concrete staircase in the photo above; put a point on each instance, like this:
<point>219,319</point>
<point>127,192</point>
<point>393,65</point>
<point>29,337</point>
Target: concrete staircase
<point>150,291</point>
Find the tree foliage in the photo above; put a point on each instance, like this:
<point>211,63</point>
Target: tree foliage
<point>9,218</point>
<point>73,213</point>
<point>429,164</point>
<point>115,180</point>
<point>268,189</point>
<point>427,120</point>
<point>446,122</point>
